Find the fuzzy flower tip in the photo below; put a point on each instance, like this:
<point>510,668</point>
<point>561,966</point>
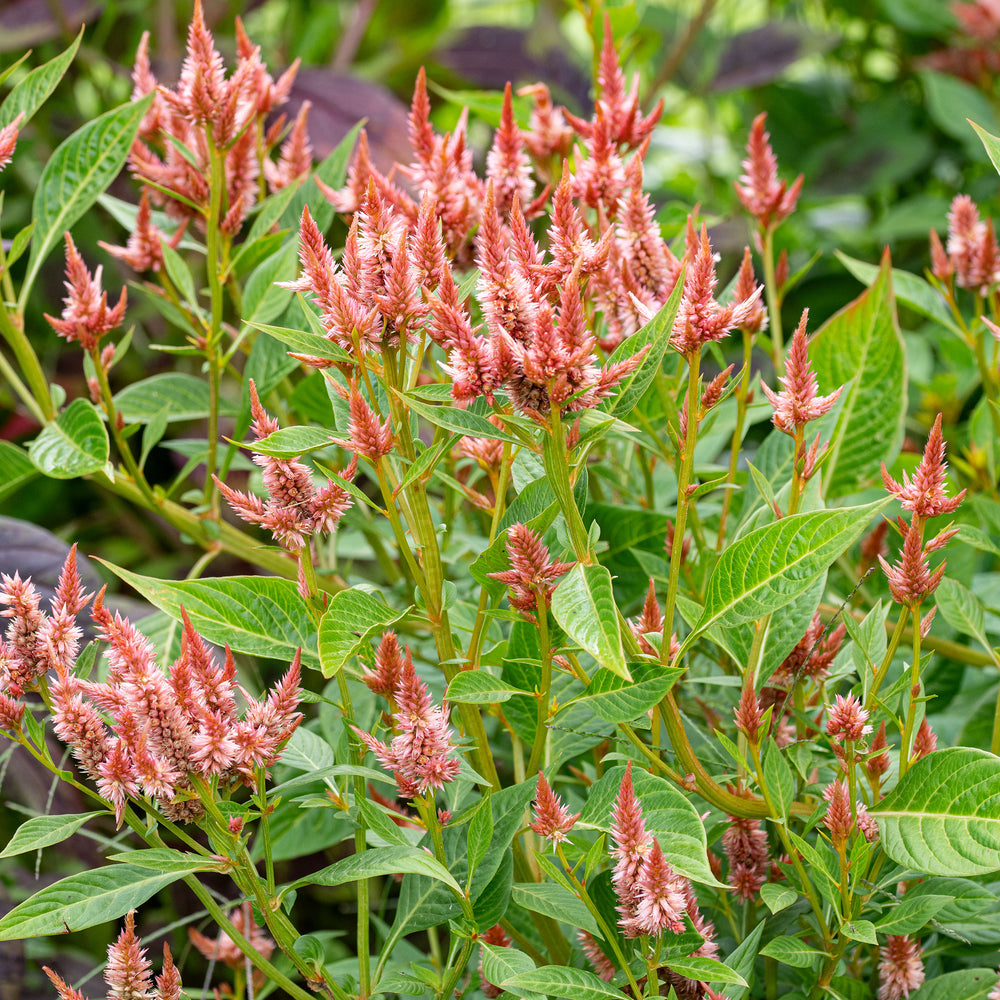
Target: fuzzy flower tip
<point>900,967</point>
<point>798,402</point>
<point>924,494</point>
<point>552,817</point>
<point>848,720</point>
<point>768,199</point>
<point>85,317</point>
<point>531,574</point>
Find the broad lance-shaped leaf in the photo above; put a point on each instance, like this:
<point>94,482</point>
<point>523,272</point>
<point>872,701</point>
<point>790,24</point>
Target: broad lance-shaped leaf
<point>861,346</point>
<point>771,566</point>
<point>30,93</point>
<point>584,605</point>
<point>75,175</point>
<point>260,615</point>
<point>74,444</point>
<point>82,901</point>
<point>351,619</point>
<point>43,831</point>
<point>943,818</point>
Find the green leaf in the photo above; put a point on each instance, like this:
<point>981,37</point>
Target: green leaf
<point>33,91</point>
<point>943,817</point>
<point>306,751</point>
<point>910,914</point>
<point>656,333</point>
<point>743,959</point>
<point>480,834</point>
<point>152,435</point>
<point>770,566</point>
<point>16,469</point>
<point>81,901</point>
<point>263,299</point>
<point>777,896</point>
<point>584,605</point>
<point>184,397</point>
<point>706,970</point>
<point>352,618</point>
<point>291,442</point>
<point>554,901</point>
<point>561,981</point>
<point>861,345</point>
<point>451,418</point>
<point>380,861</point>
<point>477,687</point>
<point>43,831</point>
<point>910,289</point>
<point>76,173</point>
<point>163,859</point>
<point>379,823</point>
<point>965,984</point>
<point>962,610</point>
<point>503,963</point>
<point>259,615</point>
<point>791,951</point>
<point>74,444</point>
<point>614,699</point>
<point>180,274</point>
<point>951,102</point>
<point>779,778</point>
<point>303,342</point>
<point>859,930</point>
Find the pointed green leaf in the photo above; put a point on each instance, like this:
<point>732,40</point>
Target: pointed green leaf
<point>962,610</point>
<point>163,859</point>
<point>291,442</point>
<point>771,566</point>
<point>943,818</point>
<point>477,687</point>
<point>81,901</point>
<point>706,970</point>
<point>584,605</point>
<point>184,397</point>
<point>554,901</point>
<point>791,951</point>
<point>503,963</point>
<point>303,342</point>
<point>777,896</point>
<point>480,834</point>
<point>33,91</point>
<point>76,173</point>
<point>616,700</point>
<point>74,444</point>
<point>458,421</point>
<point>861,345</point>
<point>16,469</point>
<point>352,618</point>
<point>910,914</point>
<point>260,615</point>
<point>380,861</point>
<point>43,831</point>
<point>564,982</point>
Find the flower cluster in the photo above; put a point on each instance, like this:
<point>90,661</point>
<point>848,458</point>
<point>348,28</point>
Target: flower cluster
<point>769,200</point>
<point>421,755</point>
<point>211,119</point>
<point>553,819</point>
<point>8,140</point>
<point>294,509</point>
<point>972,257</point>
<point>531,574</point>
<point>129,974</point>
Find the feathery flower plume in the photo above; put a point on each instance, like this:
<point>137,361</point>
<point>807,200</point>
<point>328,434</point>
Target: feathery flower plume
<point>144,249</point>
<point>925,741</point>
<point>847,719</point>
<point>294,509</point>
<point>745,844</point>
<point>548,134</point>
<point>924,494</point>
<point>661,900</point>
<point>223,949</point>
<point>973,258</point>
<point>369,438</point>
<point>507,166</point>
<point>552,817</point>
<point>631,845</point>
<point>900,967</point>
<point>421,755</point>
<point>911,580</point>
<point>384,679</point>
<point>8,140</point>
<point>798,402</point>
<point>769,200</point>
<point>86,316</point>
<point>746,286</point>
<point>531,574</point>
<point>602,965</point>
<point>296,157</point>
<point>700,318</point>
<point>650,621</point>
<point>838,813</point>
<point>878,762</point>
<point>749,717</point>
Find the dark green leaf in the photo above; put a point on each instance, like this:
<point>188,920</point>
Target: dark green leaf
<point>28,95</point>
<point>74,444</point>
<point>584,605</point>
<point>351,619</point>
<point>184,397</point>
<point>477,687</point>
<point>16,469</point>
<point>43,831</point>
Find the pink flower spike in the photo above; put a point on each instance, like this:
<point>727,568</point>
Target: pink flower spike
<point>65,991</point>
<point>848,720</point>
<point>128,973</point>
<point>924,494</point>
<point>630,846</point>
<point>507,165</point>
<point>764,196</point>
<point>798,401</point>
<point>900,967</point>
<point>552,817</point>
<point>168,982</point>
<point>531,573</point>
<point>8,140</point>
<point>661,895</point>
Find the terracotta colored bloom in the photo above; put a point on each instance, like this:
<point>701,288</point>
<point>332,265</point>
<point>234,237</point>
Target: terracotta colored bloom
<point>421,755</point>
<point>144,249</point>
<point>925,741</point>
<point>384,680</point>
<point>847,719</point>
<point>630,846</point>
<point>602,965</point>
<point>768,199</point>
<point>900,967</point>
<point>86,316</point>
<point>745,844</point>
<point>531,573</point>
<point>223,949</point>
<point>128,973</point>
<point>749,717</point>
<point>8,140</point>
<point>552,817</point>
<point>924,494</point>
<point>838,813</point>
<point>798,402</point>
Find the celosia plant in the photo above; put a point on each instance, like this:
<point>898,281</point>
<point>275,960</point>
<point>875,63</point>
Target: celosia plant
<point>516,518</point>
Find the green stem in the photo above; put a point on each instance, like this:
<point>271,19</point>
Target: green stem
<point>771,293</point>
<point>683,483</point>
<point>735,447</point>
<point>545,689</point>
<point>906,746</point>
<point>556,462</point>
<point>7,371</point>
<point>883,669</point>
<point>456,970</point>
<point>215,288</point>
<point>28,361</point>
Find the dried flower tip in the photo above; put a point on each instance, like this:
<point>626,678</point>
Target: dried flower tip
<point>552,817</point>
<point>745,844</point>
<point>86,316</point>
<point>847,719</point>
<point>768,199</point>
<point>924,494</point>
<point>900,967</point>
